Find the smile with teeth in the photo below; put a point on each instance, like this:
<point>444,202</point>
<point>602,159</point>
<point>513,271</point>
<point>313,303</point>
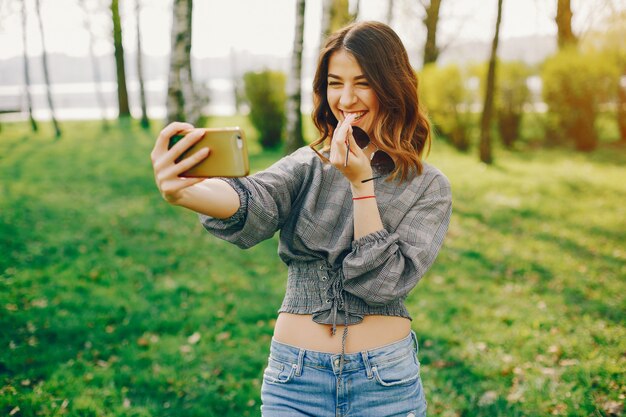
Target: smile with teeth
<point>357,115</point>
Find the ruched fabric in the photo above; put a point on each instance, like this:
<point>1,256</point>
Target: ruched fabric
<point>330,272</point>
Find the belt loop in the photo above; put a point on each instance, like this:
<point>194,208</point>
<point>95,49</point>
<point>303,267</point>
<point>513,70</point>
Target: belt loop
<point>368,366</point>
<point>415,344</point>
<point>300,362</point>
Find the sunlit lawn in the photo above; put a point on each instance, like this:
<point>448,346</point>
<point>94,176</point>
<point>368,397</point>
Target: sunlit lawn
<point>113,303</point>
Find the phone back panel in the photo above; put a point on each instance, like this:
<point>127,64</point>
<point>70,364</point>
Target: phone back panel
<point>228,156</point>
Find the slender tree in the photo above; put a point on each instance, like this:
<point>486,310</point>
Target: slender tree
<point>238,93</point>
<point>295,138</point>
<point>122,92</point>
<point>357,9</point>
<point>183,103</point>
<point>46,73</point>
<point>431,20</point>
<point>97,77</point>
<point>145,123</point>
<point>621,109</point>
<point>563,20</point>
<point>327,6</point>
<point>486,154</point>
<point>29,98</point>
<point>335,15</point>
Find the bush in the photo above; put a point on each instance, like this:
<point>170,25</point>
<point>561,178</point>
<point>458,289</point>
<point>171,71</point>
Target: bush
<point>574,85</point>
<point>265,93</point>
<point>512,94</point>
<point>447,100</point>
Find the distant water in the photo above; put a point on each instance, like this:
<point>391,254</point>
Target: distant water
<point>79,101</point>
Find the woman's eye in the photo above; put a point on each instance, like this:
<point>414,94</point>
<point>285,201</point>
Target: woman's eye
<point>363,84</point>
<point>334,84</point>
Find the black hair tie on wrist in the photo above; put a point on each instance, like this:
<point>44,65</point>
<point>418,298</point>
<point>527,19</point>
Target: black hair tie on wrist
<point>371,179</point>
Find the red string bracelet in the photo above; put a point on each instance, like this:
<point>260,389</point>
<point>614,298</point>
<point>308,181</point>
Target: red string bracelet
<point>363,198</point>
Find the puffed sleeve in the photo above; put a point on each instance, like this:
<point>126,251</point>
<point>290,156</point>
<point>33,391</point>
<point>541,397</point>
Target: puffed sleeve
<point>265,200</point>
<point>384,266</point>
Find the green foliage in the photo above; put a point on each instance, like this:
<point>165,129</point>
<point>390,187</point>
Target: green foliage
<point>511,95</point>
<point>113,303</point>
<point>574,86</point>
<point>447,100</point>
<point>265,92</point>
<point>610,41</point>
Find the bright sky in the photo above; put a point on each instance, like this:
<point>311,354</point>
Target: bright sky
<point>267,26</point>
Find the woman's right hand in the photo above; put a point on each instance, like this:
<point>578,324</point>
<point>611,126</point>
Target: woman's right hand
<point>166,170</point>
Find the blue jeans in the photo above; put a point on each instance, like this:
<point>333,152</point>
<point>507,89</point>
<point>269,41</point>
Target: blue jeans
<point>382,382</point>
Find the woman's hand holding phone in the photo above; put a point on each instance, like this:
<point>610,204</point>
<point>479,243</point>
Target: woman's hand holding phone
<point>166,170</point>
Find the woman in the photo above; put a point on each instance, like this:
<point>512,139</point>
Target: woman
<point>360,223</point>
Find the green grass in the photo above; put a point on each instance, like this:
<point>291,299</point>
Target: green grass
<point>105,288</point>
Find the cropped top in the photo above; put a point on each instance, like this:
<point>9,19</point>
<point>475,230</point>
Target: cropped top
<point>329,273</point>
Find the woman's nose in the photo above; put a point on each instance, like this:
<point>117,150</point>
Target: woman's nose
<point>347,97</point>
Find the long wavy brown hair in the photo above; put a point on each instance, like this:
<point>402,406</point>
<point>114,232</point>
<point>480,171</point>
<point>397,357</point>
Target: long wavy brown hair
<point>400,127</point>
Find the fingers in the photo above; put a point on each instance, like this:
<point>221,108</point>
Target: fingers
<point>170,156</point>
<point>160,146</point>
<point>338,145</point>
<point>185,143</point>
<point>191,161</point>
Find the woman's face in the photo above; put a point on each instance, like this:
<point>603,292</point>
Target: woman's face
<point>349,91</point>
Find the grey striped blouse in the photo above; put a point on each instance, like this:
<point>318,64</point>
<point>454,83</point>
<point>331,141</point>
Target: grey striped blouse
<point>332,276</point>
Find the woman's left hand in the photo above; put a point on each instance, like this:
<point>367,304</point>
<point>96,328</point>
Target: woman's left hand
<point>356,167</point>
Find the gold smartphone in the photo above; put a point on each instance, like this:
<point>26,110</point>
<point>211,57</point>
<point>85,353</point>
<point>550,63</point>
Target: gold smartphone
<point>228,155</point>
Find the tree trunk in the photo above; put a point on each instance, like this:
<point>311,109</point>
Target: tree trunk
<point>431,20</point>
<point>621,107</point>
<point>122,92</point>
<point>389,11</point>
<point>238,94</point>
<point>335,15</point>
<point>145,123</point>
<point>486,155</point>
<point>295,138</point>
<point>357,10</point>
<point>564,24</point>
<point>178,56</point>
<point>327,6</point>
<point>182,102</point>
<point>29,98</point>
<point>57,129</point>
<point>97,78</point>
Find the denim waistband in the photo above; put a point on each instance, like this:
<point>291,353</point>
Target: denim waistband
<point>300,357</point>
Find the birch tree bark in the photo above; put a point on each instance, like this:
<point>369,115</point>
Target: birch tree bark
<point>122,92</point>
<point>335,15</point>
<point>183,102</point>
<point>327,6</point>
<point>97,77</point>
<point>486,154</point>
<point>145,122</point>
<point>29,97</point>
<point>295,138</point>
<point>46,74</point>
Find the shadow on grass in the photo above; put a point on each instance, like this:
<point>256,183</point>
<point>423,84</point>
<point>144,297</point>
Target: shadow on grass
<point>456,387</point>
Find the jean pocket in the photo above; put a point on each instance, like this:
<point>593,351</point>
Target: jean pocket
<point>403,371</point>
<point>279,372</point>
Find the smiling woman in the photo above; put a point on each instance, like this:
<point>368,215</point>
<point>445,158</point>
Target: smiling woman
<point>365,74</point>
<point>356,237</point>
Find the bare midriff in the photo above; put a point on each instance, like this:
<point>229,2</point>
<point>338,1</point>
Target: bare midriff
<point>374,331</point>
